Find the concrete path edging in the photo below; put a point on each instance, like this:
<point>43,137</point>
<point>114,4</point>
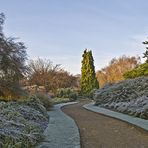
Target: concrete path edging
<point>62,131</point>
<point>129,119</point>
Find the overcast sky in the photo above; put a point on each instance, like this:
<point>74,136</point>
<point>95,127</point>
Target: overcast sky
<point>60,30</point>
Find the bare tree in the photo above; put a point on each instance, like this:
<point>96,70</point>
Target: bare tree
<point>44,73</point>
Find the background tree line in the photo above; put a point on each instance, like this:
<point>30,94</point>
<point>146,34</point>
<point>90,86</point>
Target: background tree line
<point>15,73</point>
<point>124,67</point>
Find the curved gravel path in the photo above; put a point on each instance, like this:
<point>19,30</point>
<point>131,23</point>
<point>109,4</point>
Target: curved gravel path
<point>98,131</point>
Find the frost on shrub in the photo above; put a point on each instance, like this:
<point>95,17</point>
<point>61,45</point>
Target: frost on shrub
<point>22,123</point>
<point>129,96</point>
<point>45,99</point>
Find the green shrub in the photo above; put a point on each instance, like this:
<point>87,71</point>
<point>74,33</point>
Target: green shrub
<point>73,96</point>
<point>70,93</point>
<point>38,98</point>
<point>32,99</point>
<point>60,100</point>
<point>6,98</point>
<point>45,100</point>
<point>92,94</point>
<point>141,70</point>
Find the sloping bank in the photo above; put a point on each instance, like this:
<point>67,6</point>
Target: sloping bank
<point>128,97</point>
<point>22,123</point>
<point>62,131</point>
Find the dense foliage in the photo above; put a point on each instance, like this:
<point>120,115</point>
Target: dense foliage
<point>12,64</point>
<point>88,76</point>
<point>45,100</point>
<point>141,70</point>
<point>22,123</point>
<point>70,93</point>
<point>116,68</point>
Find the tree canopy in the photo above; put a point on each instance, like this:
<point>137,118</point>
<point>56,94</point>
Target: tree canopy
<point>116,68</point>
<point>12,63</point>
<point>52,77</point>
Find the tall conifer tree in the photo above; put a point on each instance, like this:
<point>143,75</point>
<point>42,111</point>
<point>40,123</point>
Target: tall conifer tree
<point>88,76</point>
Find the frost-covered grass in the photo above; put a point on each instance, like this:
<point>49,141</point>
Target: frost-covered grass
<point>22,123</point>
<point>129,96</point>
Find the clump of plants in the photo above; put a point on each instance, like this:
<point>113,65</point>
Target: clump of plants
<point>69,93</point>
<point>45,99</point>
<point>22,123</point>
<point>57,100</point>
<point>141,70</point>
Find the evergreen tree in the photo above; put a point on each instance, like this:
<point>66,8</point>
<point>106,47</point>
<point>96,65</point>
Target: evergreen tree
<point>146,52</point>
<point>88,76</point>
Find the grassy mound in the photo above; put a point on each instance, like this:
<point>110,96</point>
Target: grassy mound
<point>22,123</point>
<point>129,96</point>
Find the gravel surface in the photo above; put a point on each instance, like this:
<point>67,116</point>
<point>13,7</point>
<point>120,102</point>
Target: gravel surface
<point>141,123</point>
<point>98,131</point>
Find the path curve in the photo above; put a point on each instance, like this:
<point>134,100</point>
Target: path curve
<point>62,131</point>
<point>98,131</point>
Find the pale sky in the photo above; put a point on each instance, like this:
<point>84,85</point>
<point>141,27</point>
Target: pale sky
<point>60,30</point>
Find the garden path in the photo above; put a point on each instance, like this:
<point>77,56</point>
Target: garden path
<point>99,131</point>
<point>62,131</point>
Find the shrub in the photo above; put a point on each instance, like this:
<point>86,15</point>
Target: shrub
<point>22,122</point>
<point>23,95</point>
<point>73,96</point>
<point>141,70</point>
<point>67,93</point>
<point>45,100</point>
<point>92,94</point>
<point>37,100</point>
<point>60,100</point>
